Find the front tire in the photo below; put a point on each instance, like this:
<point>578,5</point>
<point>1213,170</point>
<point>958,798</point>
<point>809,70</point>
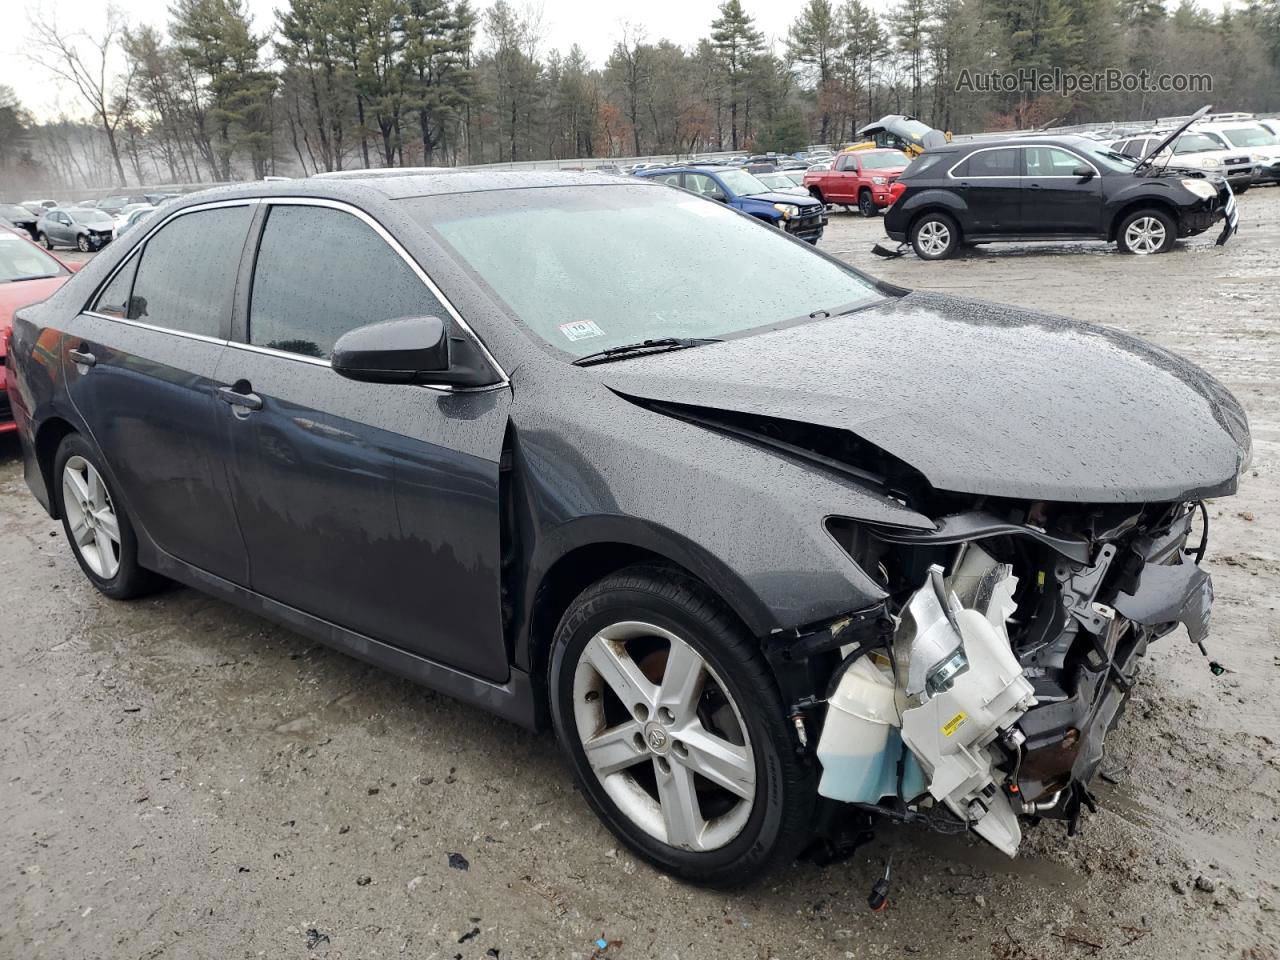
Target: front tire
<point>866,206</point>
<point>44,238</point>
<point>82,243</point>
<point>675,729</point>
<point>935,236</point>
<point>97,527</point>
<point>1145,232</point>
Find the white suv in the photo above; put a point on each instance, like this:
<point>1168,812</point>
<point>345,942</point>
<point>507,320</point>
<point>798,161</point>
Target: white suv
<point>1261,142</point>
<point>1194,150</point>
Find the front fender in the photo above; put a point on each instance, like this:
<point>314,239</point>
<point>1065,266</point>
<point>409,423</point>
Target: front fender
<point>749,521</point>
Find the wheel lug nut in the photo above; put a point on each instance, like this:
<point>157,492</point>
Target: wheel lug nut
<point>666,716</point>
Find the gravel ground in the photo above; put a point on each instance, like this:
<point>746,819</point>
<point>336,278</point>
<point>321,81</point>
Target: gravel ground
<point>181,779</point>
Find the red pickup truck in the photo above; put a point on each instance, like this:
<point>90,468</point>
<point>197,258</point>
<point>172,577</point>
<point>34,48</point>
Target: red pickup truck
<point>858,178</point>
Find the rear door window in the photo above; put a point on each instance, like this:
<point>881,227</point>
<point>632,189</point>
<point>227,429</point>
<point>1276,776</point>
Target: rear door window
<point>186,279</point>
<point>321,272</point>
<point>1002,162</point>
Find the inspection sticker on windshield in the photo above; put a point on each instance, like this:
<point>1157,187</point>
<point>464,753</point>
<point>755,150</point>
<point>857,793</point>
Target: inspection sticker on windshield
<point>580,330</point>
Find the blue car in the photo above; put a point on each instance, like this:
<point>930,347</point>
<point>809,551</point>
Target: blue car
<point>802,217</point>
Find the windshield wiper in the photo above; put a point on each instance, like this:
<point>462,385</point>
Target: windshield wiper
<point>659,345</point>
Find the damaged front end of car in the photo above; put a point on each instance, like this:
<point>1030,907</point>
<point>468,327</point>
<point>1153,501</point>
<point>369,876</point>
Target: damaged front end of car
<point>980,692</point>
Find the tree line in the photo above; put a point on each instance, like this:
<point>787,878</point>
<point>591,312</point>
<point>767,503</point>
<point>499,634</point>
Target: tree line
<point>334,84</point>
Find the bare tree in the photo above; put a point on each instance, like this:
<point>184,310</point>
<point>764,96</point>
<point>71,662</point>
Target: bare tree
<point>82,60</point>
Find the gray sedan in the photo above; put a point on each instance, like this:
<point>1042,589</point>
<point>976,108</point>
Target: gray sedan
<point>84,228</point>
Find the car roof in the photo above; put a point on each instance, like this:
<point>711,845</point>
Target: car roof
<point>395,186</point>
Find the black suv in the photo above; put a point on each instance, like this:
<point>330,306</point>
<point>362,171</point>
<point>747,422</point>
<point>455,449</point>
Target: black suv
<point>1051,188</point>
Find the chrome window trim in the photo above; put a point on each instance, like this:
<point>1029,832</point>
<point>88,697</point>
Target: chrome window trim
<point>93,298</point>
<point>1058,176</point>
<point>965,159</point>
<point>413,265</point>
<point>185,334</point>
<point>268,351</point>
<point>1019,176</point>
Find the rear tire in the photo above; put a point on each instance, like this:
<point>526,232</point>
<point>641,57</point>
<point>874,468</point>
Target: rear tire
<point>648,636</point>
<point>1145,232</point>
<point>96,524</point>
<point>935,236</point>
<point>44,238</point>
<point>1242,189</point>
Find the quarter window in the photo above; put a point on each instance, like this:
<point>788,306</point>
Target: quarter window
<point>114,299</point>
<point>187,276</point>
<point>321,272</point>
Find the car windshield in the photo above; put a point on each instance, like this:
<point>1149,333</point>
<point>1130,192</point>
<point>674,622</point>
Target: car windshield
<point>1196,143</point>
<point>592,267</point>
<point>90,215</point>
<point>1106,157</point>
<point>742,183</point>
<point>20,260</point>
<point>1250,137</point>
<point>886,160</point>
<point>777,181</point>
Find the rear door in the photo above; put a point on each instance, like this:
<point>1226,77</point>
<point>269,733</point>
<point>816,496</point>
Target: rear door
<point>139,373</point>
<point>990,181</point>
<point>1054,198</point>
<point>371,506</point>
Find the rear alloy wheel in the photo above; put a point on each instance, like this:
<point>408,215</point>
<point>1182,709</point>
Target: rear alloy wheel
<point>1146,232</point>
<point>96,526</point>
<point>866,206</point>
<point>82,243</point>
<point>675,729</point>
<point>44,238</point>
<point>935,236</point>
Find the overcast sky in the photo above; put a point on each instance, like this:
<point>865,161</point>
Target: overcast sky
<point>594,24</point>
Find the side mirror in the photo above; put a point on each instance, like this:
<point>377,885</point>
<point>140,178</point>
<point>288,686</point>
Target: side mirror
<point>719,196</point>
<point>1083,172</point>
<point>409,350</point>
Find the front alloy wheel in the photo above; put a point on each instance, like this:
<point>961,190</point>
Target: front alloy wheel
<point>676,758</point>
<point>675,728</point>
<point>1146,232</point>
<point>82,243</point>
<point>866,206</point>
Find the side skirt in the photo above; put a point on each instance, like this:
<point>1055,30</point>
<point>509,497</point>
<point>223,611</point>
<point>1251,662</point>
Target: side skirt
<point>514,700</point>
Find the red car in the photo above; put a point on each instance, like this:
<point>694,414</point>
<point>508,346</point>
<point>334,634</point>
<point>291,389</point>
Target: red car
<point>27,275</point>
<point>858,178</point>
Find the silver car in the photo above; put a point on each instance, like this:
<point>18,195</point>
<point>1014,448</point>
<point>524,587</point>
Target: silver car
<point>85,228</point>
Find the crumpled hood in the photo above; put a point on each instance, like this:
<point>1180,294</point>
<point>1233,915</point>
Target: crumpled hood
<point>980,398</point>
<point>777,196</point>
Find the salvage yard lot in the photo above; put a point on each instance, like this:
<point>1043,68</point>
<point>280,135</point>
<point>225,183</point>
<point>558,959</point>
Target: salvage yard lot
<point>182,779</point>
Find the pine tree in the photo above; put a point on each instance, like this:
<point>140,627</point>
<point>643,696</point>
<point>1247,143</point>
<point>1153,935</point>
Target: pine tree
<point>737,43</point>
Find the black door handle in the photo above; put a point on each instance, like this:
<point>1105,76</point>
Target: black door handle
<point>1034,186</point>
<point>240,395</point>
<point>82,356</point>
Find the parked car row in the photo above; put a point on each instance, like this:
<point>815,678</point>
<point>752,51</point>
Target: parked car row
<point>794,212</point>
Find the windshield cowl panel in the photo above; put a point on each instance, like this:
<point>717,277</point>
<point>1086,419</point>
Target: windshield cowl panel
<point>587,268</point>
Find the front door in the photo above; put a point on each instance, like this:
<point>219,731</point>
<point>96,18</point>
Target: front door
<point>139,371</point>
<point>990,181</point>
<point>843,181</point>
<point>1055,198</point>
<point>371,506</point>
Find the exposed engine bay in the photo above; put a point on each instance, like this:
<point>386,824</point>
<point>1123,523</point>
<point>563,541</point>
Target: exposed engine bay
<point>982,690</point>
